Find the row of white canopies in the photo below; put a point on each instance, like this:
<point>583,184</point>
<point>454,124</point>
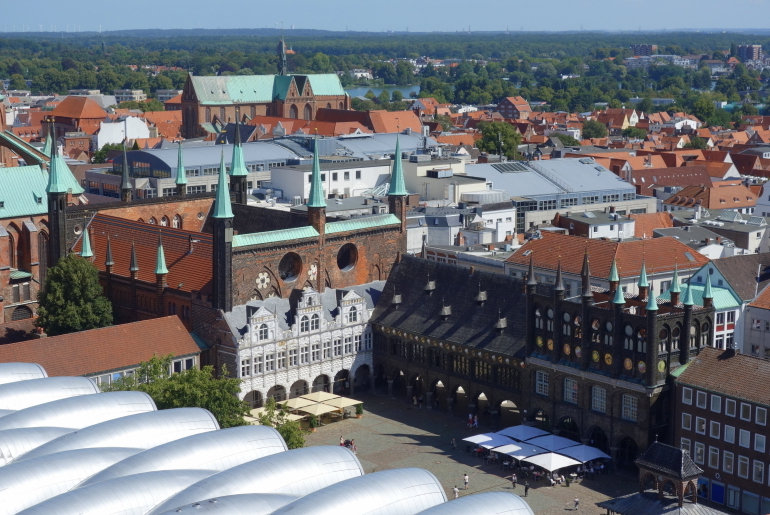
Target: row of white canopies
<point>537,447</point>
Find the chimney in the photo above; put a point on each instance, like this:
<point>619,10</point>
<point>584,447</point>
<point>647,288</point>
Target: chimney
<point>612,209</point>
<point>719,240</point>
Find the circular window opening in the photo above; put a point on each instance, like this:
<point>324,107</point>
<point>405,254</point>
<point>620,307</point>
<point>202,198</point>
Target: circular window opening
<point>77,229</point>
<point>347,257</point>
<point>290,267</point>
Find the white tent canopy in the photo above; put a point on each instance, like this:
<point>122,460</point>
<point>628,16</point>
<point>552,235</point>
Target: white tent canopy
<point>488,440</point>
<point>552,442</point>
<point>583,453</point>
<point>551,461</point>
<point>519,450</point>
<point>522,432</point>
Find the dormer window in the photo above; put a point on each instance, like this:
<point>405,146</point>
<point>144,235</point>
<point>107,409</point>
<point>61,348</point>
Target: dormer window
<point>262,333</point>
<point>304,324</point>
<point>352,315</point>
<point>315,322</point>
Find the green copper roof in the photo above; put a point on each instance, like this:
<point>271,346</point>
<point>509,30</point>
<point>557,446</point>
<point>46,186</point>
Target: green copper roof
<point>326,84</point>
<point>723,298</point>
<point>160,259</point>
<point>614,272</point>
<point>652,304</point>
<point>19,274</point>
<point>238,166</point>
<point>181,175</point>
<point>316,198</point>
<point>676,287</point>
<point>688,300</point>
<point>619,299</point>
<point>367,222</point>
<point>48,145</point>
<point>85,247</point>
<point>60,178</point>
<point>222,207</point>
<point>707,292</point>
<point>259,238</point>
<point>22,191</point>
<point>643,277</point>
<point>397,185</point>
<point>249,89</point>
<point>679,370</point>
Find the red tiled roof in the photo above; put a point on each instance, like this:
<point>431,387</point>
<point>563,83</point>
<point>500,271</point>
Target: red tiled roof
<point>659,255</point>
<point>459,139</point>
<point>79,108</point>
<point>394,121</point>
<point>647,178</point>
<point>105,349</point>
<point>187,271</point>
<point>175,100</point>
<point>714,197</point>
<point>168,123</point>
<point>646,223</point>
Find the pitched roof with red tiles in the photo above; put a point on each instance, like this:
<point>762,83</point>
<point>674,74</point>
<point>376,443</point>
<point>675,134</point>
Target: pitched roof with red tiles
<point>189,262</point>
<point>394,121</point>
<point>647,178</point>
<point>459,139</point>
<point>520,103</point>
<point>168,123</point>
<point>659,255</point>
<point>729,373</point>
<point>79,108</point>
<point>103,350</point>
<point>646,223</point>
<point>724,197</point>
<point>174,100</point>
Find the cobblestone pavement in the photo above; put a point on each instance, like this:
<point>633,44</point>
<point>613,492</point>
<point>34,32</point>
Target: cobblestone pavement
<point>392,434</point>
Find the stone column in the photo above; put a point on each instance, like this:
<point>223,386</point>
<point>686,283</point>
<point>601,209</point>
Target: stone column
<point>390,387</point>
<point>429,400</point>
<point>449,402</point>
<point>409,393</point>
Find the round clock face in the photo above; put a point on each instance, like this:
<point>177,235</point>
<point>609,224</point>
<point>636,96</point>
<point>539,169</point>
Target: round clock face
<point>595,356</point>
<point>628,364</point>
<point>578,351</point>
<point>539,341</point>
<point>641,367</point>
<point>608,358</point>
<point>566,349</point>
<point>550,344</point>
<point>661,366</point>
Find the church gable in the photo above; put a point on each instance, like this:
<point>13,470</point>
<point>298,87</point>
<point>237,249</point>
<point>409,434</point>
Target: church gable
<point>188,92</point>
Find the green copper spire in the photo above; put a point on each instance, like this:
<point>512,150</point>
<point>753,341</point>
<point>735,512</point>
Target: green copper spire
<point>85,247</point>
<point>397,185</point>
<point>688,296</point>
<point>652,304</point>
<point>48,144</point>
<point>619,299</point>
<point>160,259</point>
<point>238,166</point>
<point>614,272</point>
<point>108,261</point>
<point>125,178</point>
<point>222,208</point>
<point>134,264</point>
<point>643,277</point>
<point>707,293</point>
<point>56,183</point>
<point>675,286</point>
<point>316,198</point>
<point>181,175</point>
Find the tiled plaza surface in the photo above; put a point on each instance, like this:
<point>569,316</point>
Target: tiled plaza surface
<point>393,434</point>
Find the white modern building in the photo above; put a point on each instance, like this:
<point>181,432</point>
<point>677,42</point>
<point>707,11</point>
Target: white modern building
<point>285,348</point>
<point>345,179</point>
<point>115,132</point>
<point>127,95</point>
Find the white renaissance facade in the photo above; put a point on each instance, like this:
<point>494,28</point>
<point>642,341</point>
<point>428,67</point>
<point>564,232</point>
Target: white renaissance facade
<point>314,342</point>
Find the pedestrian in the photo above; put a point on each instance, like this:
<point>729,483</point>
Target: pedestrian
<point>353,446</point>
<point>470,420</point>
<point>456,491</point>
<point>342,442</point>
<point>465,480</point>
<point>513,480</point>
<point>577,503</point>
<point>454,443</point>
<point>526,488</point>
<point>475,421</point>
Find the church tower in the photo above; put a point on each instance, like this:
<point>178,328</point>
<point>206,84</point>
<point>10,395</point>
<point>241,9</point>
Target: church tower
<point>316,203</point>
<point>397,192</point>
<point>238,171</point>
<point>223,243</point>
<point>56,190</point>
<point>283,68</point>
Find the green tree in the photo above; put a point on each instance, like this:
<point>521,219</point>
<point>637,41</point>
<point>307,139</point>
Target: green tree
<point>384,97</point>
<point>594,129</point>
<point>644,106</point>
<point>634,133</point>
<point>277,417</point>
<point>135,146</point>
<point>566,139</point>
<point>499,138</point>
<point>697,142</point>
<point>188,389</point>
<point>445,121</point>
<point>72,299</point>
<point>100,156</point>
<point>397,96</point>
<point>17,82</point>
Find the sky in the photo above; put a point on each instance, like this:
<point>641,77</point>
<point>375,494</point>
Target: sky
<point>396,15</point>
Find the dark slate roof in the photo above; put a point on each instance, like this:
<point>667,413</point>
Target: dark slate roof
<point>669,461</point>
<point>748,274</point>
<point>470,324</point>
<point>647,503</point>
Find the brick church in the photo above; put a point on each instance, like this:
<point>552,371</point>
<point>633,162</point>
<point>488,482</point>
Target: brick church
<point>217,100</point>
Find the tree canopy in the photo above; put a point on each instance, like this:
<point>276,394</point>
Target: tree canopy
<point>277,417</point>
<point>72,299</point>
<point>594,129</point>
<point>193,388</point>
<point>499,138</point>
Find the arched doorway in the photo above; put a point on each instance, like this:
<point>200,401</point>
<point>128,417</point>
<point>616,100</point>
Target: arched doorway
<point>321,383</point>
<point>341,382</point>
<point>482,405</point>
<point>417,386</point>
<point>598,438</point>
<point>510,415</point>
<point>627,452</point>
<point>361,379</point>
<point>540,419</point>
<point>298,388</point>
<point>277,392</point>
<point>308,114</point>
<point>254,399</point>
<point>438,390</point>
<point>460,400</point>
<point>399,384</point>
<point>568,428</point>
<point>293,112</point>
